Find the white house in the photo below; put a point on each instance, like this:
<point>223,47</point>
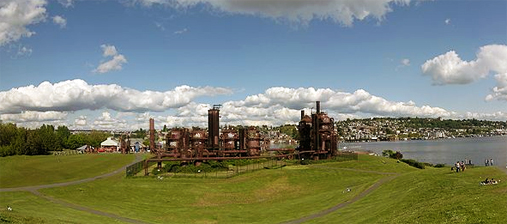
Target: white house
<point>109,145</point>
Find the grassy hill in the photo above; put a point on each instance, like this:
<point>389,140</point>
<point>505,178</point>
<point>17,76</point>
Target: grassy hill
<point>19,171</point>
<point>432,195</point>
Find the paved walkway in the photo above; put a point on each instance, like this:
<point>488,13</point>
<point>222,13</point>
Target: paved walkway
<point>34,190</point>
<point>354,199</point>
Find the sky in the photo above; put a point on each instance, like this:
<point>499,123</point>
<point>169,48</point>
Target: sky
<point>111,65</point>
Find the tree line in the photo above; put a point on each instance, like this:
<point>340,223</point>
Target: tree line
<point>22,141</point>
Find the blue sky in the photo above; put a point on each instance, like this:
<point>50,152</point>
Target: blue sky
<point>263,60</point>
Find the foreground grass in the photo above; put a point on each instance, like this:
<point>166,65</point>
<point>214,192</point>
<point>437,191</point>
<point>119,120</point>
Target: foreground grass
<point>278,195</point>
<point>18,171</point>
<point>432,196</point>
<point>28,208</point>
<point>266,196</point>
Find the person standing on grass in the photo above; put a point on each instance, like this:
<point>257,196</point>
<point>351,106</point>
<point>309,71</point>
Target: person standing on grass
<point>491,162</point>
<point>486,162</point>
<point>457,166</point>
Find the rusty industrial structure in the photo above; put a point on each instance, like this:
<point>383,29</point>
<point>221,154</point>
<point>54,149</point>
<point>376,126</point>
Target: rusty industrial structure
<point>317,138</point>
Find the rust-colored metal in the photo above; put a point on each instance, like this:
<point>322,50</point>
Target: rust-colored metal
<point>213,127</point>
<point>317,140</point>
<point>317,137</point>
<point>152,134</point>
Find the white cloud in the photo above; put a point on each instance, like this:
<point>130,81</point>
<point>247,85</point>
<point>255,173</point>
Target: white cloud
<point>81,121</point>
<point>60,21</point>
<point>74,95</point>
<point>106,121</point>
<point>498,116</point>
<point>131,109</point>
<point>181,31</point>
<point>447,21</point>
<point>449,68</point>
<point>108,50</point>
<point>301,12</point>
<point>31,116</point>
<point>66,3</point>
<point>16,15</point>
<point>115,64</point>
<point>405,62</point>
<point>280,105</point>
<point>24,51</point>
<point>500,90</point>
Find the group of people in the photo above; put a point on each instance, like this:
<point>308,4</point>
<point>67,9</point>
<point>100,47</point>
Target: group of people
<point>459,166</point>
<point>490,181</point>
<point>489,162</point>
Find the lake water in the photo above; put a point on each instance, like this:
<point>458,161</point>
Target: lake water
<point>446,151</point>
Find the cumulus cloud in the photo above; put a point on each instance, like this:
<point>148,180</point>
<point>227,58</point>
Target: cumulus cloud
<point>31,116</point>
<point>60,21</point>
<point>449,68</point>
<point>344,12</point>
<point>16,15</point>
<point>81,121</point>
<point>280,105</point>
<point>74,95</point>
<point>130,109</point>
<point>500,90</point>
<point>115,64</point>
<point>106,121</point>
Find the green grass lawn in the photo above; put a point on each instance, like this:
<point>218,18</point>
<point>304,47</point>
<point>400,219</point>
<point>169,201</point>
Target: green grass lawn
<point>18,171</point>
<point>265,196</point>
<point>28,208</point>
<point>277,195</point>
<point>434,195</point>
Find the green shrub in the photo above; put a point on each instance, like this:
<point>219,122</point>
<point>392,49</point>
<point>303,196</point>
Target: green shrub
<point>392,154</point>
<point>440,165</point>
<point>414,163</point>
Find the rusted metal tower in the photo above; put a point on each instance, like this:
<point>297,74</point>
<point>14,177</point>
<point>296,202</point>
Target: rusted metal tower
<point>152,134</point>
<point>213,127</point>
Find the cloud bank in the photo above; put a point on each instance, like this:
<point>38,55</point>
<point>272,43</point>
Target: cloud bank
<point>127,109</point>
<point>75,95</point>
<point>449,68</point>
<point>344,12</point>
<point>16,15</point>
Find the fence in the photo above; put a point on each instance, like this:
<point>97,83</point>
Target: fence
<point>345,156</point>
<point>235,168</point>
<point>65,152</point>
<point>134,169</point>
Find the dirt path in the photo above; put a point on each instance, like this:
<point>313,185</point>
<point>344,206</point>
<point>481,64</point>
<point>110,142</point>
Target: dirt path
<point>85,209</point>
<point>34,190</point>
<point>354,199</point>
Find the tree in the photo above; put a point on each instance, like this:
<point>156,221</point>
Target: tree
<point>63,133</point>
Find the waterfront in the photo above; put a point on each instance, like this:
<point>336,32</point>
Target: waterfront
<point>446,151</point>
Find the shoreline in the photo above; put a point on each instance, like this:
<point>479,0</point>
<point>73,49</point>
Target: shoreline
<point>421,139</point>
